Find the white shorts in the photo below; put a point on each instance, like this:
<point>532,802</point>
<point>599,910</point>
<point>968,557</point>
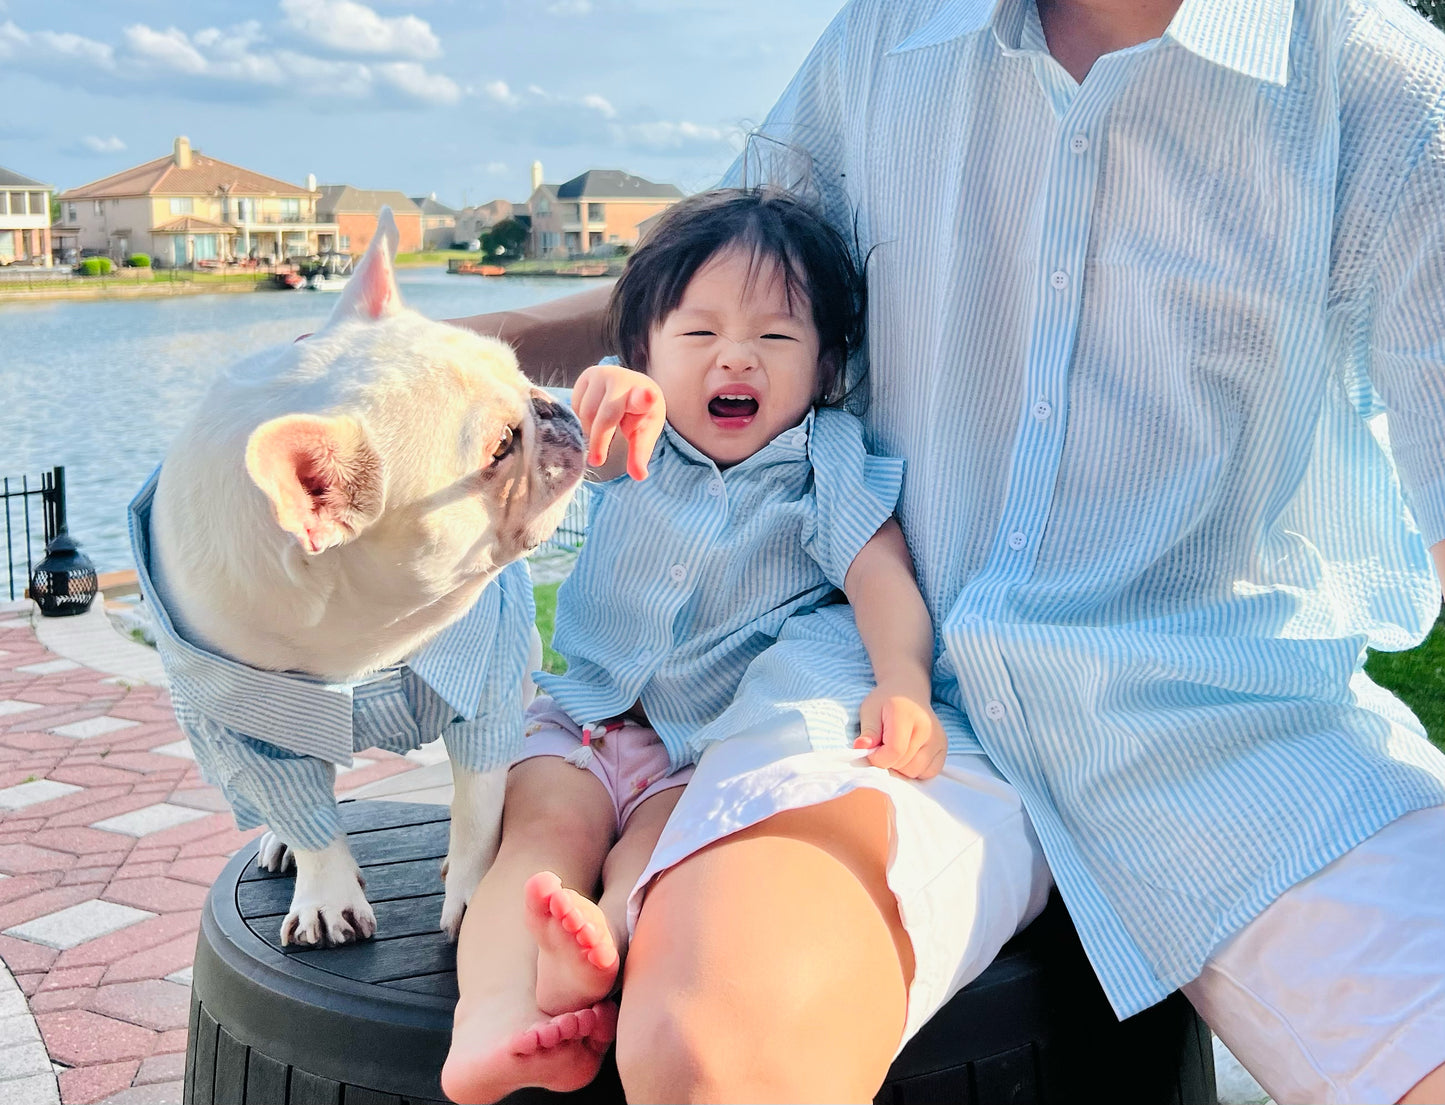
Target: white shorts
<point>965,867</point>
<point>1336,992</point>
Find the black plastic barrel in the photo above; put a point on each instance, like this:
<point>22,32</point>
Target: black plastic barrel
<point>368,1024</point>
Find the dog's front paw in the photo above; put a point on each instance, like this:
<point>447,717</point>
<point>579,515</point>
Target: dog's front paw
<point>461,875</point>
<point>273,854</point>
<point>329,905</point>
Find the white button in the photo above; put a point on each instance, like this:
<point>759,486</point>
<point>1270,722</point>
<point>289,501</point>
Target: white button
<point>714,488</point>
<point>973,618</point>
<point>996,710</point>
<point>1079,143</point>
<point>1016,540</point>
<point>1059,279</point>
<point>1042,409</point>
<point>678,573</point>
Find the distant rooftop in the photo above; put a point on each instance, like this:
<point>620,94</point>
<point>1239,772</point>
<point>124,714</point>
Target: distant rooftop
<point>614,184</point>
<point>10,179</point>
<point>344,198</point>
<point>430,205</point>
<point>202,176</point>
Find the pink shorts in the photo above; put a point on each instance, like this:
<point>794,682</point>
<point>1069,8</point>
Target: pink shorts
<point>631,763</point>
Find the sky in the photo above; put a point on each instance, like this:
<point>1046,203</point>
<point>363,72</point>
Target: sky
<point>456,97</point>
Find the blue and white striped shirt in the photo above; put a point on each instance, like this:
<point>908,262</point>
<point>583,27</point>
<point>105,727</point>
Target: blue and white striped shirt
<point>688,575</point>
<point>269,739</point>
<point>1128,335</point>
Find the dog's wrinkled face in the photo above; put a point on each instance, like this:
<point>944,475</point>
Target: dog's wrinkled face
<point>428,461</point>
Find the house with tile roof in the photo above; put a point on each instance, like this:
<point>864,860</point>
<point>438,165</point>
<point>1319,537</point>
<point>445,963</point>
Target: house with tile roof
<point>438,222</point>
<point>601,208</point>
<point>188,207</point>
<point>354,212</point>
<point>24,219</point>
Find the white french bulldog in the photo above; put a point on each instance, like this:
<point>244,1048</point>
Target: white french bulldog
<point>334,505</point>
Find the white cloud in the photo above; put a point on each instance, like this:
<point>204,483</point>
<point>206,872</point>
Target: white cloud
<point>102,145</point>
<point>498,90</point>
<point>668,135</point>
<point>170,49</point>
<point>570,7</point>
<point>47,48</point>
<point>353,28</point>
<point>413,80</point>
<point>597,103</point>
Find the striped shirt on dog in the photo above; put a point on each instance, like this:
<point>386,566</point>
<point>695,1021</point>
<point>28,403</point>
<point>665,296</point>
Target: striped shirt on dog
<point>687,575</point>
<point>1129,335</point>
<point>271,740</point>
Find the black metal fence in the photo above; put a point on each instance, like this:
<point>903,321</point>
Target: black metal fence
<point>34,513</point>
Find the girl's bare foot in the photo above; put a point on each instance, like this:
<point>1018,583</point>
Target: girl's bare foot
<point>577,958</point>
<point>561,1053</point>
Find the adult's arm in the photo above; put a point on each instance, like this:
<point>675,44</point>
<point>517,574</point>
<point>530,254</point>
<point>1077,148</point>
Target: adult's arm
<point>1439,553</point>
<point>555,340</point>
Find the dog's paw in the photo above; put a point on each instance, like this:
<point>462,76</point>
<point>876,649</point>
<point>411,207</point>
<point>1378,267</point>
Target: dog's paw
<point>461,877</point>
<point>329,904</point>
<point>274,854</point>
<point>329,925</point>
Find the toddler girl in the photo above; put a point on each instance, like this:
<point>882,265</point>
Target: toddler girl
<point>735,493</point>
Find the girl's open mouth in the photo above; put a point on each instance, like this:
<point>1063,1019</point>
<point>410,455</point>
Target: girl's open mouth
<point>733,410</point>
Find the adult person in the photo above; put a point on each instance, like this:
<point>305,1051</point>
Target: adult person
<point>1141,271</point>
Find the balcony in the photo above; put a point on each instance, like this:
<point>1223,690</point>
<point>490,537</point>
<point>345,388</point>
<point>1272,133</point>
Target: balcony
<point>596,226</point>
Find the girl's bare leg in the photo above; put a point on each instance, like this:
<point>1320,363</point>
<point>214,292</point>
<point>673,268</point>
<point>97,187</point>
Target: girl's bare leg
<point>557,818</point>
<point>771,966</point>
<point>580,943</point>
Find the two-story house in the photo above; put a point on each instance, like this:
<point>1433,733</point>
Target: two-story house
<point>438,222</point>
<point>24,219</point>
<point>187,208</point>
<point>473,222</point>
<point>355,211</point>
<point>593,211</point>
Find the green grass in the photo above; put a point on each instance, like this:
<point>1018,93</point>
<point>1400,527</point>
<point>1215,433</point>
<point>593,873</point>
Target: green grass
<point>1418,677</point>
<point>437,256</point>
<point>546,596</point>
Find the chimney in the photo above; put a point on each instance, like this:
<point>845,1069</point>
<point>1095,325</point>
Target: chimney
<point>311,182</point>
<point>536,175</point>
<point>182,156</point>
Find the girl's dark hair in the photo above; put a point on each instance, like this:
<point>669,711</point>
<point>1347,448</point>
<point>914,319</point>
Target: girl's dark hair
<point>774,227</point>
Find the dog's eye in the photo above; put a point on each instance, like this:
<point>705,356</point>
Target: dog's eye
<point>506,444</point>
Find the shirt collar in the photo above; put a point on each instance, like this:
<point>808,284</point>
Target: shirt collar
<point>791,444</point>
<point>1248,36</point>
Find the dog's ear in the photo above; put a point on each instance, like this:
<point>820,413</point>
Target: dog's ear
<point>322,476</point>
<point>371,292</point>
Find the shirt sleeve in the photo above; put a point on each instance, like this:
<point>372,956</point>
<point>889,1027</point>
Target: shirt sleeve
<point>1407,347</point>
<point>854,492</point>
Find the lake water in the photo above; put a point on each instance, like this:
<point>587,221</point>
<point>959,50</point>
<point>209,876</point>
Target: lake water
<point>101,386</point>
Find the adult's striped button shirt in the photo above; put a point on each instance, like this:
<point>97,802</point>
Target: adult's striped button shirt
<point>1129,336</point>
<point>688,575</point>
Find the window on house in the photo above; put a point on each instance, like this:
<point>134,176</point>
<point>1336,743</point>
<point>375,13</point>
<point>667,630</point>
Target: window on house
<point>99,207</point>
<point>544,207</point>
<point>595,212</point>
<point>70,213</point>
<point>38,205</point>
<point>5,206</point>
<point>344,243</point>
<point>291,209</point>
<point>182,205</point>
<point>17,203</point>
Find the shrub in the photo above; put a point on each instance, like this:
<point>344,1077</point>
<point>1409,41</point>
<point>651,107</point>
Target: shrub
<point>95,266</point>
<point>139,261</point>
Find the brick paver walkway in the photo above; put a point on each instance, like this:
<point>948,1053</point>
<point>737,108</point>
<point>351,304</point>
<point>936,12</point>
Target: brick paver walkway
<point>108,842</point>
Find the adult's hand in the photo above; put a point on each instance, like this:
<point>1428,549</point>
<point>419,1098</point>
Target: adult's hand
<point>1438,552</point>
<point>555,340</point>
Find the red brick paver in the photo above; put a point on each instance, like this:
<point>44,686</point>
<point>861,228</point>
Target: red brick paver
<point>105,1010</point>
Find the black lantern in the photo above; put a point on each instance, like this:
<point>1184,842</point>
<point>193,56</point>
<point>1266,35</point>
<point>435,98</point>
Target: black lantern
<point>64,582</point>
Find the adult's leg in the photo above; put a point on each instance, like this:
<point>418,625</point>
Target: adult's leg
<point>556,818</point>
<point>580,943</point>
<point>781,943</point>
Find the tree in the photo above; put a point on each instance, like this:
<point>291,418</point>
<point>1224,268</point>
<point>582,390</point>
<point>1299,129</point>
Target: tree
<point>506,240</point>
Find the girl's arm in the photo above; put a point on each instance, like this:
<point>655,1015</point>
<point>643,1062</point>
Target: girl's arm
<point>896,720</point>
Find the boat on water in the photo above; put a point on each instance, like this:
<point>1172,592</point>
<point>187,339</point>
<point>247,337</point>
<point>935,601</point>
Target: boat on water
<point>327,272</point>
<point>472,268</point>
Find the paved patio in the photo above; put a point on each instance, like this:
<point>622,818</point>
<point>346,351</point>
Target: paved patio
<point>109,841</point>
